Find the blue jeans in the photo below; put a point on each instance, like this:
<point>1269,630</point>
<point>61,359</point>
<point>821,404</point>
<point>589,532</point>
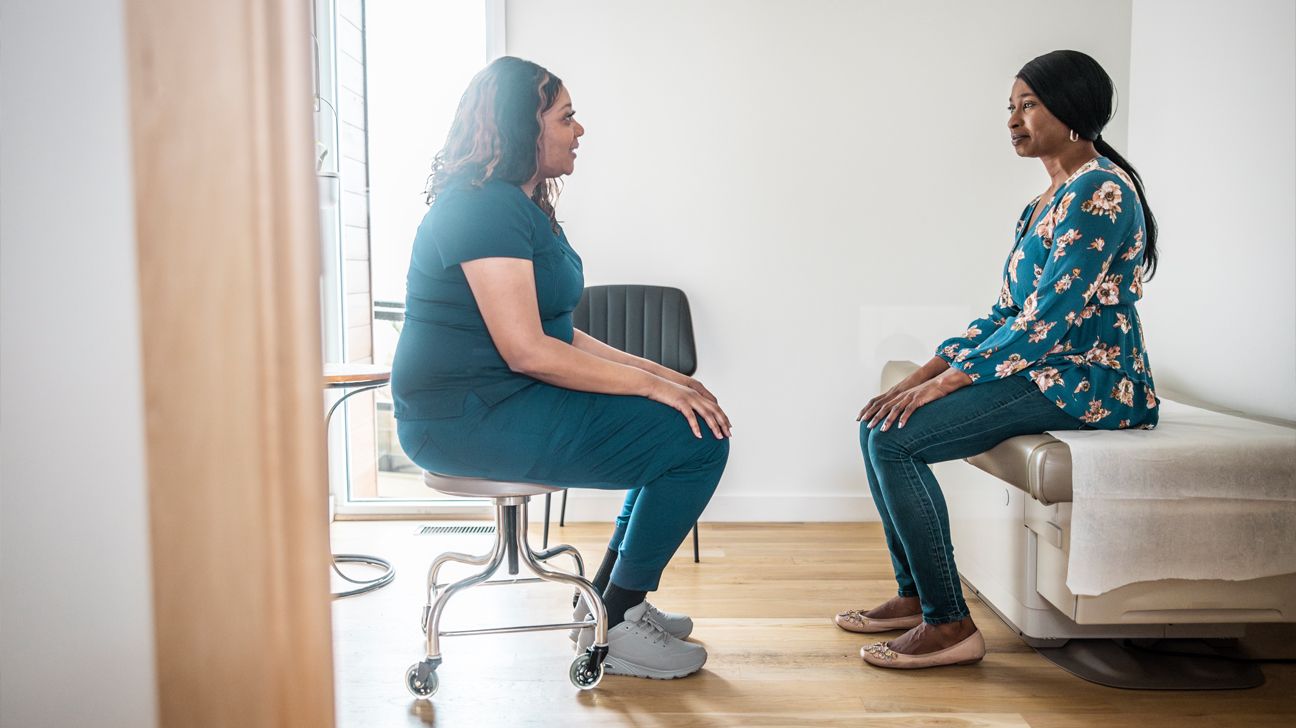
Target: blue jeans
<point>914,519</point>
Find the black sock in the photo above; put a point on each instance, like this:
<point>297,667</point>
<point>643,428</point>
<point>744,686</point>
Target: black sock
<point>604,575</point>
<point>618,600</point>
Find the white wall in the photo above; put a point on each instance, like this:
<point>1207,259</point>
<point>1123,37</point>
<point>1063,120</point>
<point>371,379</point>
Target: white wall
<point>1213,132</point>
<point>831,183</point>
<point>76,628</point>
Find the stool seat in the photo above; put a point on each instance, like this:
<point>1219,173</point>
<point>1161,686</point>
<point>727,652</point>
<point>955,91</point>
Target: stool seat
<point>482,488</point>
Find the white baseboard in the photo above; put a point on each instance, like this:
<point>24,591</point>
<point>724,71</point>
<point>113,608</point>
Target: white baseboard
<point>603,505</point>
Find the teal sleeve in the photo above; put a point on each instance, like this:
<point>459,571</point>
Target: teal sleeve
<point>491,222</point>
<point>980,329</point>
<point>1097,208</point>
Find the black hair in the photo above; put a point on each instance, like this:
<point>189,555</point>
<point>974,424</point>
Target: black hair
<point>1076,89</point>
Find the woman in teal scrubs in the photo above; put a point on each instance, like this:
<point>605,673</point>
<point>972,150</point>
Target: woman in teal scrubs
<point>491,380</point>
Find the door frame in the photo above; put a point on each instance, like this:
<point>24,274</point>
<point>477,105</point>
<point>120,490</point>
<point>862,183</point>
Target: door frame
<point>229,275</point>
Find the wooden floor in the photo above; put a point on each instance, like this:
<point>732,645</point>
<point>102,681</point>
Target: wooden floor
<point>762,599</point>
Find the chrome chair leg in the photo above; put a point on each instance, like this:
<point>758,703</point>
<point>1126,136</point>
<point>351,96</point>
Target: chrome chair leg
<point>446,558</point>
<point>562,549</point>
<point>452,557</point>
<point>511,542</point>
<point>577,560</point>
<point>583,586</point>
<point>434,584</point>
<point>437,608</point>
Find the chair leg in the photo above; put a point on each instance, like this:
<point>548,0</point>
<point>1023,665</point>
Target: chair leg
<point>548,500</point>
<point>511,540</point>
<point>435,609</point>
<point>562,511</point>
<point>458,558</point>
<point>583,587</point>
<point>562,548</point>
<point>697,555</point>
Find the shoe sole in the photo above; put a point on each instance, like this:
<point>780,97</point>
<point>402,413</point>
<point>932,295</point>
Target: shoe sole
<point>616,666</point>
<point>924,667</point>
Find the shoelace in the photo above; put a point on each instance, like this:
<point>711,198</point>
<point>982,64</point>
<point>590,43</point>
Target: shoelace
<point>655,614</point>
<point>659,633</point>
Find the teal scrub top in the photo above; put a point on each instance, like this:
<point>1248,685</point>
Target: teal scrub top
<point>1065,317</point>
<point>445,351</point>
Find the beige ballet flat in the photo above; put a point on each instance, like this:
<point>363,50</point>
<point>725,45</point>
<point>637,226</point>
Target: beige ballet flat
<point>853,620</point>
<point>967,652</point>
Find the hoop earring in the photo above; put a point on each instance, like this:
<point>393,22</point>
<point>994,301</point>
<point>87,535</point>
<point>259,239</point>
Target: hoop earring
<point>1074,136</point>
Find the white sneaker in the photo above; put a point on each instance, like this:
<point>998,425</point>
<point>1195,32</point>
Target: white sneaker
<point>639,647</point>
<point>680,626</point>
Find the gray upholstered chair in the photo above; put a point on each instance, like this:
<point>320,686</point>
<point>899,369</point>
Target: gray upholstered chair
<point>653,322</point>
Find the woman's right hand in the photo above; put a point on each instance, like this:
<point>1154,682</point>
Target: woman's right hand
<point>927,371</point>
<point>691,403</point>
<point>881,401</point>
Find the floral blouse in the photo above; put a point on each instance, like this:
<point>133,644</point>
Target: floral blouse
<point>1065,317</point>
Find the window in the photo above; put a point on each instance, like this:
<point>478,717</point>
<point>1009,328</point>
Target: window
<point>391,75</point>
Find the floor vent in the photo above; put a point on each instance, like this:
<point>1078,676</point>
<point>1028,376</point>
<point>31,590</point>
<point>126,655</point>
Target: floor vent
<point>435,530</point>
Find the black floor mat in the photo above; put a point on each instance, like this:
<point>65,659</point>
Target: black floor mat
<point>1156,665</point>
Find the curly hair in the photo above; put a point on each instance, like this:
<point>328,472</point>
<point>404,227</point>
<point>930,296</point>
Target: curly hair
<point>496,131</point>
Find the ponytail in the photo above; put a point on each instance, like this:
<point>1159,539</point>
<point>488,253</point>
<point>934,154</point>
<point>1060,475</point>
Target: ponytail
<point>1150,224</point>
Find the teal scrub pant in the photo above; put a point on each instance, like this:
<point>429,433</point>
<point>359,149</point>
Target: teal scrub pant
<point>561,437</point>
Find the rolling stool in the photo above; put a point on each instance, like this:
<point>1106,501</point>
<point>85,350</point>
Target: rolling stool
<point>510,542</point>
<point>357,378</point>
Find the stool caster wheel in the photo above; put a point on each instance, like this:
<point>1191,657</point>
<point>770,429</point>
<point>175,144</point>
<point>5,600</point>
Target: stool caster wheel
<point>421,679</point>
<point>584,673</point>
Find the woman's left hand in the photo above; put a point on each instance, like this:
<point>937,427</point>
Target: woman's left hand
<point>903,406</point>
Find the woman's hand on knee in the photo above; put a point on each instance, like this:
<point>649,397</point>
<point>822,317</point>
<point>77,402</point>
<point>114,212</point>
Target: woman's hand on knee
<point>881,402</point>
<point>925,373</point>
<point>692,404</point>
<point>903,405</point>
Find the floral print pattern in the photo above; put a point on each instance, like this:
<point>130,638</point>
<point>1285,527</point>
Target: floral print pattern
<point>1072,328</point>
<point>1106,200</point>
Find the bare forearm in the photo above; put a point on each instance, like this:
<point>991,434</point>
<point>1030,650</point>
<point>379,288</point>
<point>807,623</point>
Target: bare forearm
<point>574,367</point>
<point>591,345</point>
<point>932,369</point>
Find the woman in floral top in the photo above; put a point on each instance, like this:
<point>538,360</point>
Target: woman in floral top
<point>1065,317</point>
<point>1061,349</point>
